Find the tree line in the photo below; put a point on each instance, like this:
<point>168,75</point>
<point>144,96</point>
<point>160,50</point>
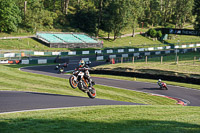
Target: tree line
<point>91,16</point>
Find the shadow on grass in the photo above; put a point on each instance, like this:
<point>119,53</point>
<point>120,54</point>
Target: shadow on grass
<point>65,124</point>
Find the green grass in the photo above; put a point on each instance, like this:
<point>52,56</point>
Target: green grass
<point>137,41</point>
<point>13,79</point>
<point>183,39</point>
<point>15,34</point>
<point>163,115</point>
<point>127,30</point>
<point>105,119</point>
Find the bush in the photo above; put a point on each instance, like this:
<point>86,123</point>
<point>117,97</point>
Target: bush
<point>159,34</point>
<point>152,33</point>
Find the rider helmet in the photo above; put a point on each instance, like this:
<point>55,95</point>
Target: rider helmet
<point>159,80</point>
<point>81,63</point>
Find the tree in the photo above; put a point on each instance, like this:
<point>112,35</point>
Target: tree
<point>86,17</point>
<point>155,10</point>
<point>182,8</point>
<point>37,17</point>
<point>196,12</point>
<point>9,16</point>
<point>136,11</point>
<point>116,17</point>
<point>159,34</point>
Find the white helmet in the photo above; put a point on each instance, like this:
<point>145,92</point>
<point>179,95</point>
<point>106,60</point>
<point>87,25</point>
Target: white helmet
<point>159,80</point>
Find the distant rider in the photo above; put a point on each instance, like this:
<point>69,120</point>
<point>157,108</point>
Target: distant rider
<point>160,82</point>
<point>84,68</point>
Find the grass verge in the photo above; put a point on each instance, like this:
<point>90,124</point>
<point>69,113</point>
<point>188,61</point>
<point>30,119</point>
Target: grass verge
<point>105,119</point>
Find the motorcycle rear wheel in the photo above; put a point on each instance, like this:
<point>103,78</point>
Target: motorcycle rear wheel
<point>92,93</point>
<point>72,82</point>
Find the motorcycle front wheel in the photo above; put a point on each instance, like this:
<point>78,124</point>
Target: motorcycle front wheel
<point>72,82</point>
<point>92,93</point>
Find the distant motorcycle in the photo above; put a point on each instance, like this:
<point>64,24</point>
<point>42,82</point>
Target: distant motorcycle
<point>163,86</point>
<point>77,80</point>
<point>59,68</point>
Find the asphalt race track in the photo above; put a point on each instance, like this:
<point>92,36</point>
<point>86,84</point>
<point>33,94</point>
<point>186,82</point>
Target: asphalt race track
<point>17,101</point>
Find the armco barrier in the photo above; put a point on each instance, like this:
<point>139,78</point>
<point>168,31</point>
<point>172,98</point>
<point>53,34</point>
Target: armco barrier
<point>105,51</point>
<point>3,61</point>
<point>124,55</point>
<point>148,76</point>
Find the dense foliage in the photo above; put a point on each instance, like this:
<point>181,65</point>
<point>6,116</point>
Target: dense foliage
<point>9,16</point>
<point>196,12</point>
<point>91,16</point>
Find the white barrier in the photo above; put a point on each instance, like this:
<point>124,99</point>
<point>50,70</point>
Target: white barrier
<point>38,53</point>
<point>158,52</point>
<point>42,61</point>
<point>141,49</point>
<point>184,46</point>
<point>72,53</point>
<point>56,53</point>
<point>147,53</point>
<point>98,51</point>
<point>176,47</point>
<point>100,57</point>
<point>25,62</point>
<point>124,55</point>
<point>191,45</point>
<point>112,56</point>
<point>109,51</point>
<point>3,61</point>
<point>85,52</point>
<point>85,59</point>
<point>167,52</point>
<point>9,55</point>
<point>159,48</point>
<point>120,50</point>
<point>131,50</point>
<point>136,54</point>
<point>150,49</point>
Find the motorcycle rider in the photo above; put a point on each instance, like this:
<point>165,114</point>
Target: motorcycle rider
<point>84,68</point>
<point>160,82</point>
<point>57,67</point>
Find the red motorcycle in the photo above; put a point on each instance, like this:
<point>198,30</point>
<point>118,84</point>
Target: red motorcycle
<point>163,86</point>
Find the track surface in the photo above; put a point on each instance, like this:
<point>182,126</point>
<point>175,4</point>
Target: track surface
<point>17,101</point>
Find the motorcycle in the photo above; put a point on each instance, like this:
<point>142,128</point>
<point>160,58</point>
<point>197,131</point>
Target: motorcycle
<point>163,86</point>
<point>60,69</point>
<point>77,80</point>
